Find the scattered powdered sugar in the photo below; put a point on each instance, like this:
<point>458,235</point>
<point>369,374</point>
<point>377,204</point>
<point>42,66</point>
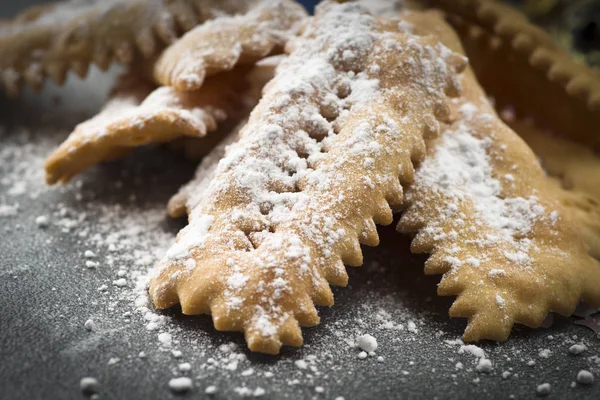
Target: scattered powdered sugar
<point>577,349</point>
<point>7,210</point>
<point>367,342</point>
<point>181,384</point>
<point>280,191</point>
<point>585,377</point>
<point>89,385</point>
<point>247,392</point>
<point>472,349</point>
<point>468,176</point>
<point>122,282</point>
<point>210,390</point>
<point>545,353</point>
<point>89,325</point>
<point>544,389</point>
<point>165,339</point>
<point>42,221</point>
<point>122,242</point>
<point>484,365</point>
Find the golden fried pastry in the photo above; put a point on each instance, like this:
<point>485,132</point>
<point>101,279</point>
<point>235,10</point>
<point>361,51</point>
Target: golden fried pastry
<point>577,166</point>
<point>165,114</point>
<point>196,148</point>
<point>50,40</point>
<point>584,209</point>
<point>225,42</point>
<point>521,66</point>
<point>575,173</point>
<point>318,164</point>
<point>482,206</point>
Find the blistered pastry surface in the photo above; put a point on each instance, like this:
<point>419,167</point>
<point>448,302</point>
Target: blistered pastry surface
<point>319,162</point>
<point>482,206</point>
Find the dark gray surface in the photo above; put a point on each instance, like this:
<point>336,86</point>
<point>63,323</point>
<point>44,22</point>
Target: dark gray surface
<point>46,296</point>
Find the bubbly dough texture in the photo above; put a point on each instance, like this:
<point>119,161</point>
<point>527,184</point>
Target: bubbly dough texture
<point>482,206</point>
<point>318,164</point>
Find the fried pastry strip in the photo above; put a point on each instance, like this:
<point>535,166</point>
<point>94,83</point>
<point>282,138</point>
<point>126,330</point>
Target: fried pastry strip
<point>221,44</point>
<point>165,114</point>
<point>51,39</point>
<point>190,195</point>
<point>584,209</point>
<point>319,162</point>
<point>523,67</point>
<point>261,73</point>
<point>574,171</point>
<point>481,205</point>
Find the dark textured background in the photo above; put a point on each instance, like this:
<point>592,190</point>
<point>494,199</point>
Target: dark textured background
<point>44,350</point>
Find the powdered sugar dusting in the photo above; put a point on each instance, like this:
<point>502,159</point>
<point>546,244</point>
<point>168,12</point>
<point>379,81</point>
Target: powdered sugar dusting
<point>130,109</point>
<point>221,43</point>
<point>127,235</point>
<point>467,176</point>
<point>296,154</point>
<point>383,302</point>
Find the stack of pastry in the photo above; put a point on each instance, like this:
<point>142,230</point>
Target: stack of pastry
<point>372,110</point>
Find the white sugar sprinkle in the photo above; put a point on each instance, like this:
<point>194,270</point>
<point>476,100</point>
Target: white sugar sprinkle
<point>472,349</point>
<point>545,353</point>
<point>7,210</point>
<point>210,390</point>
<point>177,353</point>
<point>467,176</point>
<point>585,377</point>
<point>120,282</point>
<point>484,366</point>
<point>577,349</point>
<point>543,389</point>
<point>181,384</point>
<point>184,367</point>
<point>367,343</point>
<point>89,385</point>
<point>42,221</point>
<point>89,325</point>
<point>113,361</point>
<point>165,339</point>
<point>412,327</point>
